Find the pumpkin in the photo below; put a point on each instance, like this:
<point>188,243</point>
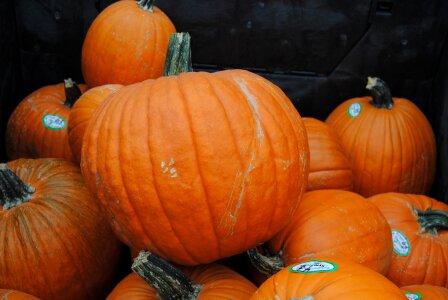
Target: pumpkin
<point>56,243</point>
<point>38,126</point>
<point>183,164</point>
<point>423,292</point>
<point>82,111</point>
<point>323,278</point>
<point>157,279</point>
<point>126,43</point>
<point>15,295</point>
<point>420,238</point>
<point>388,141</point>
<point>329,167</point>
<point>335,223</point>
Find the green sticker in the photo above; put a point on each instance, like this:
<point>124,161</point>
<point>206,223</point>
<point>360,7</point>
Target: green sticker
<point>402,246</point>
<point>413,296</point>
<point>313,266</point>
<point>54,122</point>
<point>354,109</point>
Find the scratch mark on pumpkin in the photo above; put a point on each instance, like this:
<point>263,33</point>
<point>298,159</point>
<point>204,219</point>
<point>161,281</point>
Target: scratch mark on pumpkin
<point>6,296</point>
<point>253,104</point>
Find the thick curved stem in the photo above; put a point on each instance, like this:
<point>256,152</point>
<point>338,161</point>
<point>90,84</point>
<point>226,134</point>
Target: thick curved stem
<point>72,92</point>
<point>170,282</point>
<point>381,95</point>
<point>267,265</point>
<point>146,5</point>
<point>13,191</point>
<point>178,57</point>
<point>432,221</point>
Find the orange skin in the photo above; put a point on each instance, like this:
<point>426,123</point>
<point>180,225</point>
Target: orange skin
<point>183,164</point>
<point>15,295</point>
<point>58,245</point>
<point>125,44</point>
<point>349,282</point>
<point>218,282</point>
<point>329,167</point>
<point>26,135</point>
<point>335,223</point>
<point>81,113</point>
<point>389,150</point>
<point>423,264</point>
<point>430,292</point>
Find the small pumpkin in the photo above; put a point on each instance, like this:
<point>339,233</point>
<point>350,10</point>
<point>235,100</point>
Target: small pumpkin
<point>126,43</point>
<point>388,141</point>
<point>56,243</point>
<point>157,279</point>
<point>38,126</point>
<point>81,113</point>
<point>425,291</point>
<point>329,167</point>
<point>420,238</point>
<point>323,278</point>
<point>182,164</point>
<point>15,295</point>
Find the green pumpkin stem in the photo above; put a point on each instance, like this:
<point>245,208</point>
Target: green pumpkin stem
<point>381,95</point>
<point>432,221</point>
<point>147,5</point>
<point>170,282</point>
<point>13,191</point>
<point>267,265</point>
<point>72,92</point>
<point>178,57</point>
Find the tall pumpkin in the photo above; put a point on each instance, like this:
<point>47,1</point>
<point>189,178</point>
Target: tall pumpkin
<point>126,43</point>
<point>329,167</point>
<point>55,242</point>
<point>81,113</point>
<point>389,142</point>
<point>184,163</point>
<point>420,238</point>
<point>38,126</point>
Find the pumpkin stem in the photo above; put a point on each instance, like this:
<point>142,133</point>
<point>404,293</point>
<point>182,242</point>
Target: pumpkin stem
<point>72,92</point>
<point>381,95</point>
<point>267,265</point>
<point>432,220</point>
<point>170,282</point>
<point>178,57</point>
<point>146,5</point>
<point>13,191</point>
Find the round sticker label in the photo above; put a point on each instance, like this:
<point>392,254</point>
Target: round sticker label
<point>413,296</point>
<point>402,246</point>
<point>354,109</point>
<point>314,266</point>
<point>54,122</point>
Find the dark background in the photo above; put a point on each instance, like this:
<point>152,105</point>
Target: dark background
<point>318,51</point>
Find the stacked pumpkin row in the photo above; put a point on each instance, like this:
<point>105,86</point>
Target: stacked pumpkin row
<point>196,167</point>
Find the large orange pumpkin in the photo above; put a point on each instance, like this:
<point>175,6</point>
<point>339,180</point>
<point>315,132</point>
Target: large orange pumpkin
<point>126,43</point>
<point>15,295</point>
<point>333,279</point>
<point>420,238</point>
<point>389,142</point>
<point>329,167</point>
<point>198,166</point>
<point>203,282</point>
<point>55,242</point>
<point>81,113</point>
<point>38,126</point>
<point>425,292</point>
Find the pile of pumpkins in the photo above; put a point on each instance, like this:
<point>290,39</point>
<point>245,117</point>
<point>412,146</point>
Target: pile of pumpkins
<point>189,168</point>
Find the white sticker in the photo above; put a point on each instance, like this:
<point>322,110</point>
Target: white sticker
<point>314,266</point>
<point>402,246</point>
<point>354,109</point>
<point>54,122</point>
<point>413,296</point>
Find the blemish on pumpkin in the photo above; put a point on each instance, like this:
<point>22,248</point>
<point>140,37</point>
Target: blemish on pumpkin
<point>253,104</point>
<point>168,168</point>
<point>6,295</point>
<point>286,164</point>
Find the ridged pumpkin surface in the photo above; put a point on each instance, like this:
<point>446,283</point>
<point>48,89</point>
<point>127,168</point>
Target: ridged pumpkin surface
<point>58,245</point>
<point>81,113</point>
<point>218,282</point>
<point>125,44</point>
<point>15,295</point>
<point>329,167</point>
<point>199,166</point>
<point>426,292</point>
<point>335,223</point>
